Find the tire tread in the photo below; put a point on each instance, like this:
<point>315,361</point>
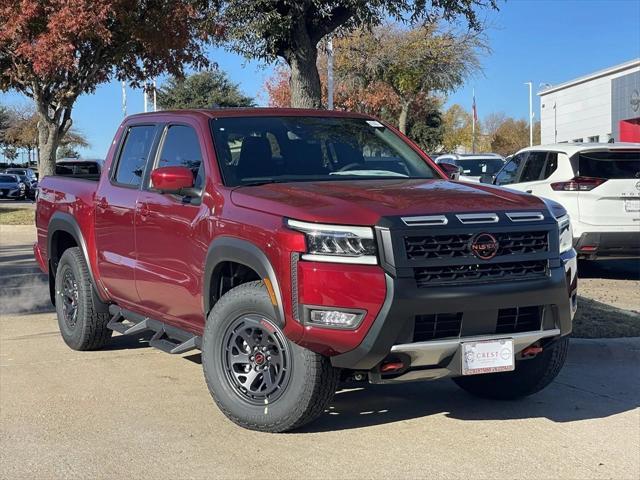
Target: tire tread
<point>94,334</point>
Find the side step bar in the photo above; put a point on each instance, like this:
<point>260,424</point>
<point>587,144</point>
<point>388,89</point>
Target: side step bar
<point>166,337</point>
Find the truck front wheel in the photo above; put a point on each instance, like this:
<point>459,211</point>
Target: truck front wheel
<point>82,317</point>
<point>257,377</point>
<point>529,377</point>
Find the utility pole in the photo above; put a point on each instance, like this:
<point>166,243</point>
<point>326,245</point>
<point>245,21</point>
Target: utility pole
<point>330,73</point>
<point>530,113</point>
<point>155,109</point>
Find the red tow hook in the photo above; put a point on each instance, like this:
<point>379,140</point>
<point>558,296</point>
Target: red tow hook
<point>391,367</point>
<point>531,351</point>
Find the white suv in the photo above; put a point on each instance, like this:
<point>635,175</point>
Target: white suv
<point>597,183</point>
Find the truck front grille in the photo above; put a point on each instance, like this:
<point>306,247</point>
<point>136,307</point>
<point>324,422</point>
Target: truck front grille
<point>425,247</point>
<point>478,273</point>
<point>437,325</point>
<point>519,319</point>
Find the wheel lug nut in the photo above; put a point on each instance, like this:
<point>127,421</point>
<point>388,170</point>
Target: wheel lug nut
<point>268,357</point>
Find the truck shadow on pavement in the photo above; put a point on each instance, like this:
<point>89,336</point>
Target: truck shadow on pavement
<point>598,380</point>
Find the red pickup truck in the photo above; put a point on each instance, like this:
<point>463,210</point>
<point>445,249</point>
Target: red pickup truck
<point>299,248</point>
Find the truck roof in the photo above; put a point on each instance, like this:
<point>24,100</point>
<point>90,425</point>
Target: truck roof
<point>253,112</point>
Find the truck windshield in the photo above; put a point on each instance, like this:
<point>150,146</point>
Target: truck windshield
<point>255,150</point>
<point>7,179</point>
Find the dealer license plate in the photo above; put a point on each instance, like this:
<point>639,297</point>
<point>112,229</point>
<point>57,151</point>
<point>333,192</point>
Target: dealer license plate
<point>488,356</point>
<point>632,205</point>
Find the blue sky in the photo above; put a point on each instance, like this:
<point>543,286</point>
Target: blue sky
<point>543,41</point>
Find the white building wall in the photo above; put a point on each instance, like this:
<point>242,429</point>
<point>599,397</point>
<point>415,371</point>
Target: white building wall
<point>582,110</point>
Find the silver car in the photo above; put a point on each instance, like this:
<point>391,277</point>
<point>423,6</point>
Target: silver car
<point>11,187</point>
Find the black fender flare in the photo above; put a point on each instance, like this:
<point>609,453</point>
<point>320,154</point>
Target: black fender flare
<point>65,222</point>
<point>233,249</point>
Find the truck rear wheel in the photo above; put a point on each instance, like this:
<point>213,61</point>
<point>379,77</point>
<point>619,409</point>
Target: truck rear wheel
<point>257,377</point>
<point>529,377</point>
<point>82,317</point>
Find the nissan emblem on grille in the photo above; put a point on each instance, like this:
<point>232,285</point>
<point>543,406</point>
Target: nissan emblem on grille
<point>484,246</point>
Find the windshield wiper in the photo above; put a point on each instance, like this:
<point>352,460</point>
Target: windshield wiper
<point>257,183</point>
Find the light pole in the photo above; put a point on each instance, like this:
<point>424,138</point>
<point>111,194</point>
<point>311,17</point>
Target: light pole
<point>530,112</point>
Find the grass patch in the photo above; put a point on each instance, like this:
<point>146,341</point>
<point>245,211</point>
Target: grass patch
<point>599,320</point>
<point>17,216</point>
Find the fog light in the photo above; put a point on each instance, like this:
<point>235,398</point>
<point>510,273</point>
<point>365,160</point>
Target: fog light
<point>335,318</point>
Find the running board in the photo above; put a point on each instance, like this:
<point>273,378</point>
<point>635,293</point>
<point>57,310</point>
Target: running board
<point>167,338</point>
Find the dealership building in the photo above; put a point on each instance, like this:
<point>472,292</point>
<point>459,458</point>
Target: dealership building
<point>599,107</point>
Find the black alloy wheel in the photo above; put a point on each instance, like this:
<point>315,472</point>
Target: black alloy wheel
<point>256,359</point>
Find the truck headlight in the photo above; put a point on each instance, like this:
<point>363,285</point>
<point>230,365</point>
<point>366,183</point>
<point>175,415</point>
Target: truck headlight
<point>337,243</point>
<point>566,233</point>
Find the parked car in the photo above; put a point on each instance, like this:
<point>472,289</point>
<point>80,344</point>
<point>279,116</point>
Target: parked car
<point>28,177</point>
<point>298,248</point>
<point>11,187</point>
<point>473,166</point>
<point>597,183</point>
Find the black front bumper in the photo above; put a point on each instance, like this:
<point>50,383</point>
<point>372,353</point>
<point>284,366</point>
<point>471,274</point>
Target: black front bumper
<point>11,193</point>
<point>478,304</point>
<point>609,244</point>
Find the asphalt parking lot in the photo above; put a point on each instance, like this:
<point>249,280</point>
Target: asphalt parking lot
<point>130,411</point>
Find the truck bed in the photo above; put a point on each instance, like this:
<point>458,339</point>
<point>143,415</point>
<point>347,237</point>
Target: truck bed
<point>68,195</point>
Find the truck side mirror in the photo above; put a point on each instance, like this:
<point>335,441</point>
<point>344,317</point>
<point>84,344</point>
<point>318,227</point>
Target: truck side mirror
<point>172,179</point>
<point>452,171</point>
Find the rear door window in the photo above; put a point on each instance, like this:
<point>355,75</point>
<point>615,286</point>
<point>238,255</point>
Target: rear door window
<point>134,154</point>
<point>551,165</point>
<point>609,165</point>
<point>532,170</point>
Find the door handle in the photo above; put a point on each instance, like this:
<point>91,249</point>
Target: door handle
<point>143,210</point>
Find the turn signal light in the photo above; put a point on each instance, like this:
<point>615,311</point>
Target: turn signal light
<point>578,184</point>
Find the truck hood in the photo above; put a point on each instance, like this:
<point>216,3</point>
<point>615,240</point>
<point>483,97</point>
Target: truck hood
<point>363,202</point>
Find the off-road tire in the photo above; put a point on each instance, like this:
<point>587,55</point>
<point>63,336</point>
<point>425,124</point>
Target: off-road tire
<point>90,330</point>
<point>529,377</point>
<point>312,380</point>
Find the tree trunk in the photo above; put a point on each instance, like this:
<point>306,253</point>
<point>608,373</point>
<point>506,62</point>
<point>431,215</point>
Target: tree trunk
<point>305,82</point>
<point>53,124</point>
<point>48,141</point>
<point>302,57</point>
<point>404,113</point>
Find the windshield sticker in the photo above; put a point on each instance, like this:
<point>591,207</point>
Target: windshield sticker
<point>375,124</point>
